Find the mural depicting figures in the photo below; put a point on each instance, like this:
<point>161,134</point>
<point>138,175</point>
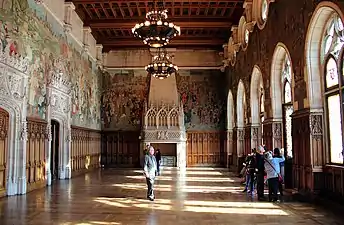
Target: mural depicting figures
<point>203,101</point>
<point>25,32</point>
<point>123,100</point>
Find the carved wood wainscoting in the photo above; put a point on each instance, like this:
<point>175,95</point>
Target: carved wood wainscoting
<point>248,139</point>
<point>235,148</point>
<point>120,149</point>
<point>85,150</point>
<point>205,148</point>
<point>267,135</point>
<point>334,183</point>
<point>4,127</point>
<point>302,166</point>
<point>36,153</point>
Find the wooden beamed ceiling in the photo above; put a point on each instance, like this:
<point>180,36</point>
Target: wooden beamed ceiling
<point>204,23</point>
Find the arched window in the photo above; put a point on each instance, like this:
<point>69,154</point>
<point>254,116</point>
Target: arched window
<point>287,107</point>
<point>333,81</point>
<point>262,110</point>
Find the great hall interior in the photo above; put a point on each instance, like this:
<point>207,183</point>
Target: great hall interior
<point>87,84</point>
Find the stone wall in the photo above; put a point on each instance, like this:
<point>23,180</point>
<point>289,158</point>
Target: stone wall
<point>287,23</point>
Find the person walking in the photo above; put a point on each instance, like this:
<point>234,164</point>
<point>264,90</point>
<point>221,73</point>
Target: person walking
<point>149,170</point>
<point>158,161</point>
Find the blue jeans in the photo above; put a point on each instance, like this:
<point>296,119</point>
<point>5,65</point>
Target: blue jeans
<point>249,181</point>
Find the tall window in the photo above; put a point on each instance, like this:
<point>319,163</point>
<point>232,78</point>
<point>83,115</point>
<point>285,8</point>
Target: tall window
<point>332,53</point>
<point>287,107</point>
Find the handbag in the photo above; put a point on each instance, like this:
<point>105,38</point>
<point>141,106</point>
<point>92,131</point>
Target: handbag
<point>280,178</point>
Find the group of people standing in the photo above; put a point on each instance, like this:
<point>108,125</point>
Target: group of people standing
<point>151,168</point>
<point>261,163</point>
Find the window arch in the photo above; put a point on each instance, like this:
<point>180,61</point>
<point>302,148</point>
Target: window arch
<point>333,86</point>
<point>287,104</point>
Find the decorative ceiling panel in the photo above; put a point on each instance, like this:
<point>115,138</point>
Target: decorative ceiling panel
<point>204,23</point>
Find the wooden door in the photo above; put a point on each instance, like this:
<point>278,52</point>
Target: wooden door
<point>4,128</point>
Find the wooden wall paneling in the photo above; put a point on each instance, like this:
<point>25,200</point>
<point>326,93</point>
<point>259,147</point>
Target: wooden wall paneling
<point>121,149</point>
<point>4,128</point>
<point>204,148</point>
<point>247,146</point>
<point>86,146</point>
<point>334,182</point>
<point>267,135</point>
<point>235,148</point>
<point>302,168</point>
<point>35,153</point>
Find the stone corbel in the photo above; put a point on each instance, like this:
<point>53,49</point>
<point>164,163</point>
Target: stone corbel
<point>99,56</point>
<point>105,58</point>
<point>87,33</point>
<point>250,23</point>
<point>69,9</point>
<point>235,37</point>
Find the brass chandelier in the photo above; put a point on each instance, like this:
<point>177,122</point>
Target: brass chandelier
<point>156,31</point>
<point>161,66</point>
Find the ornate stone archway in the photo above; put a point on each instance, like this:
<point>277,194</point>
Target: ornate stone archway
<point>13,89</point>
<point>59,108</point>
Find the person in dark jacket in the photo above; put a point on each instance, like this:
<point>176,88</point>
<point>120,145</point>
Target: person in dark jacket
<point>158,161</point>
<point>250,166</point>
<point>260,172</point>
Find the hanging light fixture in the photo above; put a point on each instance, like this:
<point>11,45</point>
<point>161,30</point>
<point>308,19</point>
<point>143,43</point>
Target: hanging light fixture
<point>161,66</point>
<point>156,31</point>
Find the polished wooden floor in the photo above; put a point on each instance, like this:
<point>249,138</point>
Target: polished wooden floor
<point>193,197</point>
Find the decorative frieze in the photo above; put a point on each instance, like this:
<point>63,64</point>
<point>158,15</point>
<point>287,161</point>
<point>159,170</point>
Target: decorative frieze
<point>241,134</point>
<point>316,126</point>
<point>277,130</point>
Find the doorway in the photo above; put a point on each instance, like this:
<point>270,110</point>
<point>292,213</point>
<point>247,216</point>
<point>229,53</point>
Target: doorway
<point>4,127</point>
<point>54,154</point>
<point>168,153</point>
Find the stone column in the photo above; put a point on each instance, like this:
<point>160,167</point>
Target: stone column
<point>240,147</point>
<point>229,148</point>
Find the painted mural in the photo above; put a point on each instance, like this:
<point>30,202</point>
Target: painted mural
<point>203,99</point>
<point>25,32</point>
<point>123,99</point>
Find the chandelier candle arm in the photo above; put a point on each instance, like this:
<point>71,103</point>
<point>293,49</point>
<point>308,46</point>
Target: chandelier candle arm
<point>156,31</point>
<point>161,66</point>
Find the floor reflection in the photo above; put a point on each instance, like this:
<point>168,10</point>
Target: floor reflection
<point>117,196</point>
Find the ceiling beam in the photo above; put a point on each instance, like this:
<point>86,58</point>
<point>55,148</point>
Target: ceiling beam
<point>177,42</point>
<point>125,1</point>
<point>129,23</point>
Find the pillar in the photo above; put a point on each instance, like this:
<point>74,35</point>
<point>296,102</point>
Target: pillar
<point>229,148</point>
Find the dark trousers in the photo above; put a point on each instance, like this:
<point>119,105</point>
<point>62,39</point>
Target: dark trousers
<point>273,188</point>
<point>150,185</point>
<point>260,184</point>
<point>158,166</point>
<point>280,187</point>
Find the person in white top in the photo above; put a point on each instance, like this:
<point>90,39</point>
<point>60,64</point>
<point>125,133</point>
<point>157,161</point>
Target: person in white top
<point>273,173</point>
